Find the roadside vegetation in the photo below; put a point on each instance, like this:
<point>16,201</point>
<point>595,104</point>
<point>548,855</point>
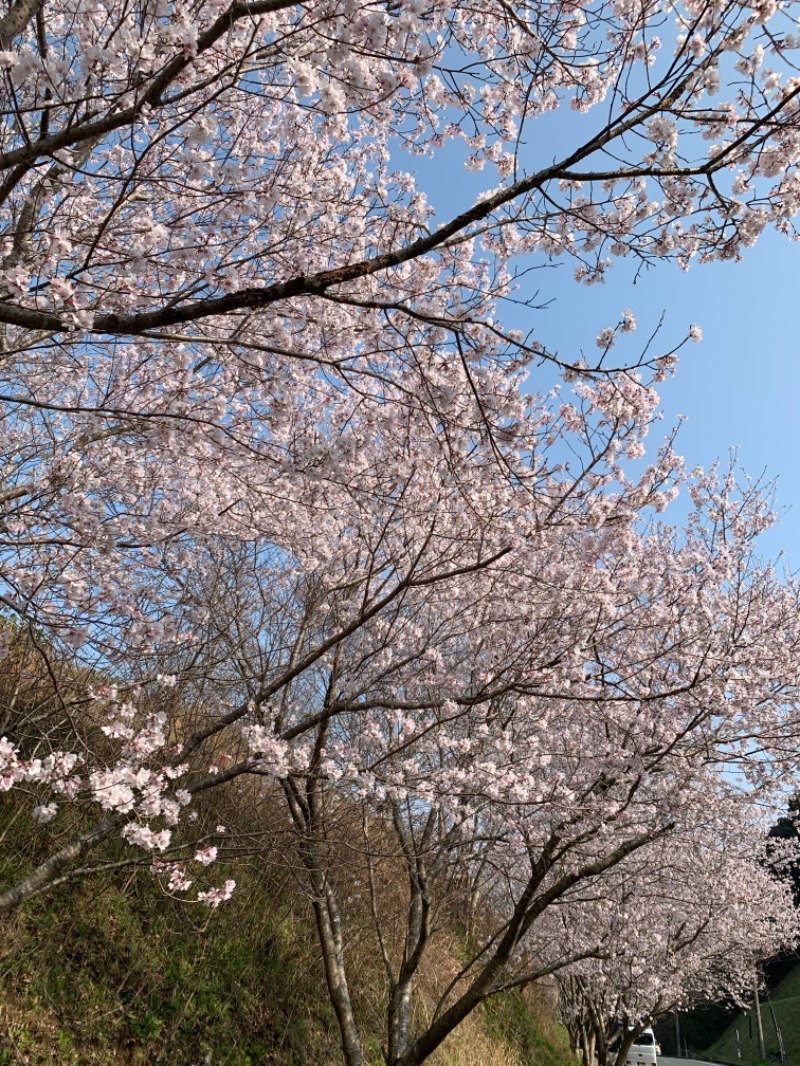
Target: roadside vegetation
<point>782,1009</point>
<point>112,971</point>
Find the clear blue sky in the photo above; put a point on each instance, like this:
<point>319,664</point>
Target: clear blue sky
<point>740,387</point>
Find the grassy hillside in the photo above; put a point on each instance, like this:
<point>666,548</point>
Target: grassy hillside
<point>785,1002</point>
<point>113,972</point>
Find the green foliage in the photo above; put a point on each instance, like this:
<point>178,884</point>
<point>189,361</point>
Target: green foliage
<point>523,1020</point>
<point>114,973</point>
<point>109,971</point>
<point>785,1002</point>
<point>127,975</point>
<point>700,1027</point>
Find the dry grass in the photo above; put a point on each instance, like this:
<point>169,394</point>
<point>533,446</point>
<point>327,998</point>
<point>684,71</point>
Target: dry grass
<point>109,971</point>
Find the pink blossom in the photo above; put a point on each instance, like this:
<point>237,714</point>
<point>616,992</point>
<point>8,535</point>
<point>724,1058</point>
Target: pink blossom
<point>605,338</point>
<point>215,896</point>
<point>44,813</point>
<point>146,838</point>
<point>296,496</point>
<point>62,290</point>
<point>628,324</point>
<point>178,882</point>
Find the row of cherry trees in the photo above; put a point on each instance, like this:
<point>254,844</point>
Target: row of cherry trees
<point>686,927</point>
<point>286,486</point>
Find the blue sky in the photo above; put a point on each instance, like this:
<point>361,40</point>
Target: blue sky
<point>739,388</point>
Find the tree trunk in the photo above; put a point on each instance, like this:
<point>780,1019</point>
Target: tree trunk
<point>416,939</point>
<point>305,815</point>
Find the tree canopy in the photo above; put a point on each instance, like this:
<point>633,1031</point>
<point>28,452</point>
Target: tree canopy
<point>294,499</point>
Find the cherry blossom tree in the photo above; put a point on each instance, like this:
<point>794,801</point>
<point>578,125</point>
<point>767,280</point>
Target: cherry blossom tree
<point>367,531</point>
<point>521,732</point>
<point>685,925</point>
<point>282,486</point>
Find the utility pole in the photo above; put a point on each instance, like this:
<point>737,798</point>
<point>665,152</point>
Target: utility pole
<point>776,1027</point>
<point>762,1053</point>
<point>678,1032</point>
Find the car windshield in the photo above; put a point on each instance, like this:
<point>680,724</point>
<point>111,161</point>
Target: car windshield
<point>645,1040</point>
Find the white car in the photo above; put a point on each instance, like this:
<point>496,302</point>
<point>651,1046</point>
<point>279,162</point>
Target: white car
<point>644,1050</point>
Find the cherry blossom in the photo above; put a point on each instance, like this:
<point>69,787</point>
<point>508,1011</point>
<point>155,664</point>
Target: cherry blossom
<point>293,491</point>
<point>676,928</point>
<point>214,896</point>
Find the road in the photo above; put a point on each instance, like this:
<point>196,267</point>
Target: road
<point>664,1061</point>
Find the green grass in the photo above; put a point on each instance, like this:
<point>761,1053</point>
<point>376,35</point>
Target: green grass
<point>128,976</point>
<point>785,1002</point>
<point>112,972</point>
<point>522,1020</point>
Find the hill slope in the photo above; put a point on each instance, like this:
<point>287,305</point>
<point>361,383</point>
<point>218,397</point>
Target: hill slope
<point>114,973</point>
<point>785,1003</point>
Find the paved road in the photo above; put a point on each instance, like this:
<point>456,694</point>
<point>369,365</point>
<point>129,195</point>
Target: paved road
<point>664,1061</point>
